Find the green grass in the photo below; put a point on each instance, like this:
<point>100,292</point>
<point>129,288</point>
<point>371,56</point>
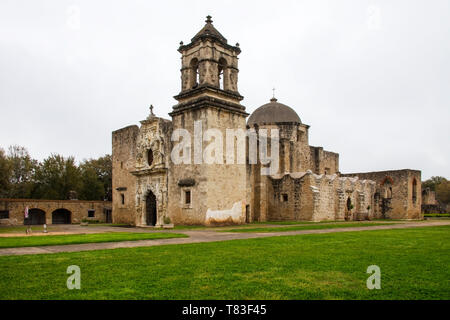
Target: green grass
<point>435,215</point>
<point>290,222</point>
<point>33,241</point>
<point>414,265</point>
<point>307,227</point>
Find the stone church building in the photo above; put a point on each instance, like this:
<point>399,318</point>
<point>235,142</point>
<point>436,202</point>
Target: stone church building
<point>150,189</point>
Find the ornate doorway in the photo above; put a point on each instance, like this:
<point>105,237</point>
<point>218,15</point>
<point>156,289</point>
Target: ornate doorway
<point>150,209</point>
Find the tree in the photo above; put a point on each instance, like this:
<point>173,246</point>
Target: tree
<point>56,177</point>
<point>22,168</point>
<point>103,169</point>
<point>443,192</point>
<point>433,182</point>
<point>5,175</point>
<point>92,187</point>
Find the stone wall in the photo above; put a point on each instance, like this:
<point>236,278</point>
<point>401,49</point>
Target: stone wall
<point>307,196</point>
<point>323,162</point>
<point>398,192</point>
<point>218,191</point>
<point>77,210</point>
<point>124,183</point>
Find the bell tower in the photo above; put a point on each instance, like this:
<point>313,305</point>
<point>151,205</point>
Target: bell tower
<point>201,190</point>
<point>209,71</point>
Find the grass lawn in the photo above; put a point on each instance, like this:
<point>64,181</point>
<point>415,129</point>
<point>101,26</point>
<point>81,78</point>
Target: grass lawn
<point>414,265</point>
<point>32,241</point>
<point>307,227</point>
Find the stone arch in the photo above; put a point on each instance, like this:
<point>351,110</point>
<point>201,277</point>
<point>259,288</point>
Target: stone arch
<point>194,73</point>
<point>387,187</point>
<point>36,216</point>
<point>61,216</point>
<point>414,190</point>
<point>222,73</point>
<point>151,208</point>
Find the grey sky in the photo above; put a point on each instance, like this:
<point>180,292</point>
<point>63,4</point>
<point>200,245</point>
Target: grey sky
<point>372,78</point>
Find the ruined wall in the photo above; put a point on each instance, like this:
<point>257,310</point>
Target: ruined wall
<point>290,198</point>
<point>124,183</point>
<point>311,197</point>
<point>429,197</point>
<point>78,209</point>
<point>323,161</point>
<point>395,189</point>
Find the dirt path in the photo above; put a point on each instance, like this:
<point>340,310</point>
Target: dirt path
<point>197,236</point>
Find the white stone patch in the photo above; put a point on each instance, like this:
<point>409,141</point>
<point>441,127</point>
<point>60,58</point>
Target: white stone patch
<point>235,214</point>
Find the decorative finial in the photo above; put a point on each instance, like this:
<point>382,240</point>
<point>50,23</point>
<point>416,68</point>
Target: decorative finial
<point>273,96</point>
<point>151,112</point>
<point>237,44</point>
<point>208,19</point>
<point>181,43</point>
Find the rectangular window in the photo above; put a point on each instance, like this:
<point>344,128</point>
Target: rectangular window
<point>187,197</point>
<point>285,197</point>
<point>123,198</point>
<point>91,213</point>
<point>4,214</point>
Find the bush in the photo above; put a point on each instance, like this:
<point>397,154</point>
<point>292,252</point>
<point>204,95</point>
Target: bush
<point>91,221</point>
<point>167,220</point>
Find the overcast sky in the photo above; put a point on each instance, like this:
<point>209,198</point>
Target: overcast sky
<point>371,78</point>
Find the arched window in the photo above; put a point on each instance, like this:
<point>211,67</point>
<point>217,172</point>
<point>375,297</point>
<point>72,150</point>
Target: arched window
<point>150,157</point>
<point>222,67</point>
<point>194,73</point>
<point>414,190</point>
<point>387,187</point>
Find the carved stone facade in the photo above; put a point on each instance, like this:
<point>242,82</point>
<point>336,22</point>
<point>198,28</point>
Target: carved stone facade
<point>150,189</point>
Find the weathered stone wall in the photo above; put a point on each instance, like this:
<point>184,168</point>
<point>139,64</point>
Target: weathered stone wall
<point>429,197</point>
<point>307,196</point>
<point>219,192</point>
<point>78,210</point>
<point>395,189</point>
<point>323,161</point>
<point>124,183</point>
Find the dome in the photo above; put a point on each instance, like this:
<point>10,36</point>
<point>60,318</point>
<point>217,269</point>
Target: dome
<point>273,112</point>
